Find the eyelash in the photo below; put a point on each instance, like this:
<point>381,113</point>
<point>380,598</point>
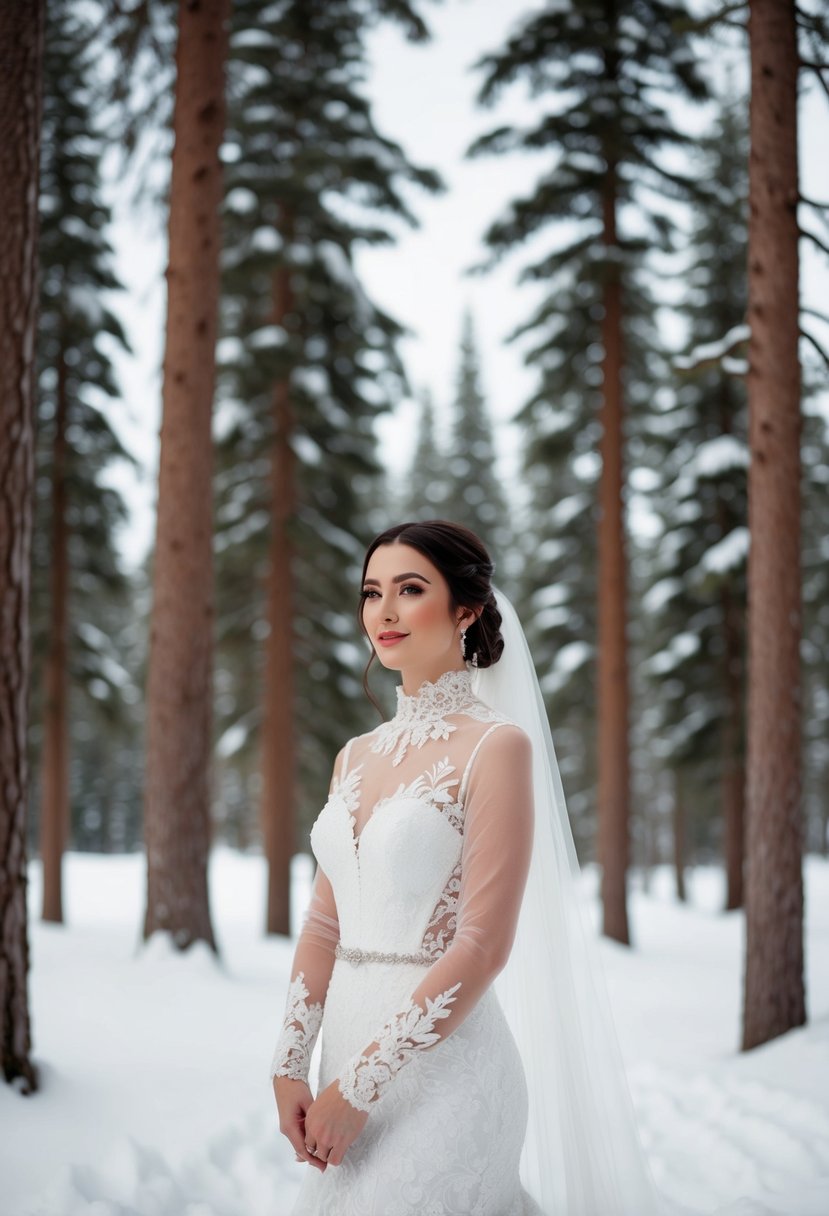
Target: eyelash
<point>370,593</point>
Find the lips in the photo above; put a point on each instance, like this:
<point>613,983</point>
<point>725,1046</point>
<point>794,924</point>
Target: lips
<point>390,638</point>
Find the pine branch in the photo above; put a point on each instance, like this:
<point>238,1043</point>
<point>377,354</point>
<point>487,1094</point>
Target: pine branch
<point>724,16</point>
<point>818,70</point>
<point>815,239</point>
<point>815,312</point>
<point>810,338</point>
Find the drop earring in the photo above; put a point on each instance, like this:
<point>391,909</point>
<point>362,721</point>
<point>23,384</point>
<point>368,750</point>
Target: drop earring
<point>463,645</point>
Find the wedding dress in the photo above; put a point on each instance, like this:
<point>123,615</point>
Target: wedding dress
<point>423,849</point>
<point>452,953</point>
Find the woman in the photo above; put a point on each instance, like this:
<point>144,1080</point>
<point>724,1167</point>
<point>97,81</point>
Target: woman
<point>422,1104</point>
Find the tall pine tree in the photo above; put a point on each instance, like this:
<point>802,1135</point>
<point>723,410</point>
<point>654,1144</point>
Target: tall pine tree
<point>308,362</point>
<point>609,66</point>
<point>696,598</point>
<point>474,496</point>
<point>77,576</point>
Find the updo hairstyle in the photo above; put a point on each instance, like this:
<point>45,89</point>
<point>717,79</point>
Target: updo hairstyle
<point>464,562</point>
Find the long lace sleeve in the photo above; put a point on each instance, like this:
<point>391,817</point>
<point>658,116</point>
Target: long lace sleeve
<point>497,845</point>
<point>310,976</point>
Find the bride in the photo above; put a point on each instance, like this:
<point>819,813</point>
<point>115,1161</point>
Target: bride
<point>468,1062</point>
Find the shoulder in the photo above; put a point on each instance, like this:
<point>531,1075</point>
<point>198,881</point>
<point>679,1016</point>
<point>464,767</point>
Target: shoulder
<point>501,745</point>
<point>506,736</point>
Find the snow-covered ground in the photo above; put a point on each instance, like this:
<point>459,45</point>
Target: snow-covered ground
<point>155,1099</point>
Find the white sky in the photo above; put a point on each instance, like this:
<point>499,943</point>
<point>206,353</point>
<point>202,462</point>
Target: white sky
<point>423,97</point>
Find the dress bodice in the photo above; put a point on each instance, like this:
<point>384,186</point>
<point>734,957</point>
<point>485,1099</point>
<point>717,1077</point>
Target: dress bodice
<point>390,835</point>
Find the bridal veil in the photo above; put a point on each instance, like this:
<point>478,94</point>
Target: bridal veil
<point>582,1155</point>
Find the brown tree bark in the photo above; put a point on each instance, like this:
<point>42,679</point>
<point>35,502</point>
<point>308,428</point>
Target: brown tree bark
<point>21,85</point>
<point>278,736</point>
<point>773,997</point>
<point>613,694</point>
<point>177,796</point>
<point>733,768</point>
<point>54,807</point>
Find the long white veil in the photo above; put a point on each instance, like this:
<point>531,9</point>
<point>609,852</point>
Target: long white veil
<point>582,1155</point>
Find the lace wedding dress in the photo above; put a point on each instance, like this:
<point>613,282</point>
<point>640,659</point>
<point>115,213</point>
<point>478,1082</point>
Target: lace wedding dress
<point>423,848</point>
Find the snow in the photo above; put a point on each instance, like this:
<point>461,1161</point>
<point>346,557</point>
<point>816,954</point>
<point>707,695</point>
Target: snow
<point>710,352</point>
<point>720,455</point>
<point>728,554</point>
<point>155,1099</point>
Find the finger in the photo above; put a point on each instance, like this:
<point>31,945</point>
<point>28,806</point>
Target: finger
<point>297,1141</point>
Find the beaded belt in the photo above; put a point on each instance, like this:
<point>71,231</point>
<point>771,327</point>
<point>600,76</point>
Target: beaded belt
<point>354,955</point>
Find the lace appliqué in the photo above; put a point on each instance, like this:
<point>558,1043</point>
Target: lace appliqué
<point>444,920</point>
<point>432,787</point>
<point>364,1078</point>
<point>292,1055</point>
<point>422,716</point>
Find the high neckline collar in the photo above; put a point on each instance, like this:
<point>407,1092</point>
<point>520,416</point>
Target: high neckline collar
<point>422,715</point>
<point>449,693</point>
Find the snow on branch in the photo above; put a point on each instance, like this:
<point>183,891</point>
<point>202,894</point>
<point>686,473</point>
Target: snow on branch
<point>708,353</point>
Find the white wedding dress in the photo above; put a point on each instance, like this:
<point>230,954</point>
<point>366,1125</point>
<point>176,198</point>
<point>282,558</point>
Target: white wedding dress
<point>423,848</point>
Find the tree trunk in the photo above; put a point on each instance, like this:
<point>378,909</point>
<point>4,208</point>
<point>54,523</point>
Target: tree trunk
<point>614,779</point>
<point>177,797</point>
<point>733,768</point>
<point>679,838</point>
<point>21,85</point>
<point>54,806</point>
<point>774,997</point>
<point>278,741</point>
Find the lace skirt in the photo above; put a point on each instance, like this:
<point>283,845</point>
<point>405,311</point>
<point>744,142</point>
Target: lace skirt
<point>446,1137</point>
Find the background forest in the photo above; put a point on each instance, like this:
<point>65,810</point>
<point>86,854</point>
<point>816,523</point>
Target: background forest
<point>310,282</point>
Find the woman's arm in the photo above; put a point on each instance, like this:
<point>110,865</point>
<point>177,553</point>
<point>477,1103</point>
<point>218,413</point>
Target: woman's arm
<point>310,975</point>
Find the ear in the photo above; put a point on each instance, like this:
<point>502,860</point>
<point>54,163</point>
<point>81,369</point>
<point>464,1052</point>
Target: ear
<point>469,616</point>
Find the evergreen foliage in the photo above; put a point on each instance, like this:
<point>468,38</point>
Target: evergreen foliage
<point>308,178</point>
<point>605,71</point>
<point>695,603</point>
<point>426,484</point>
<point>77,334</point>
<point>473,493</point>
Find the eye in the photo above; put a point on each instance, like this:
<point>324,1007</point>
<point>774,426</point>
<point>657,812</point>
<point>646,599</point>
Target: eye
<point>367,593</point>
<point>412,587</point>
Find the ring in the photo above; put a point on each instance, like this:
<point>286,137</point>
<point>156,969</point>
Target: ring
<point>312,1151</point>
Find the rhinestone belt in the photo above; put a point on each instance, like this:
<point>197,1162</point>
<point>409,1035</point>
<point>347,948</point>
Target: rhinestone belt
<point>354,955</point>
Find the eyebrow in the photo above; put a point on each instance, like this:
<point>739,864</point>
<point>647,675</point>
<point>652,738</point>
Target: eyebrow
<point>398,578</point>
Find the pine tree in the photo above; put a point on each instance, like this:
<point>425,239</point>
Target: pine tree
<point>21,89</point>
<point>774,997</point>
<point>308,363</point>
<point>427,481</point>
<point>695,599</point>
<point>75,565</point>
<point>473,494</point>
<point>607,60</point>
<point>179,689</point>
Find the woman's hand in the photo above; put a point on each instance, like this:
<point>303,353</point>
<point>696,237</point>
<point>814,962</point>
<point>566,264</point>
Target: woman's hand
<point>293,1100</point>
<point>333,1123</point>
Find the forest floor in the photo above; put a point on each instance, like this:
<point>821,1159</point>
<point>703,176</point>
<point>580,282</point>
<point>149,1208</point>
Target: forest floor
<point>155,1098</point>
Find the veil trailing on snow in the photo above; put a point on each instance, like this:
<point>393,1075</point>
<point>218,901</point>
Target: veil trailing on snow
<point>582,1153</point>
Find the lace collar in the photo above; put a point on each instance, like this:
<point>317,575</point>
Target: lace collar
<point>421,716</point>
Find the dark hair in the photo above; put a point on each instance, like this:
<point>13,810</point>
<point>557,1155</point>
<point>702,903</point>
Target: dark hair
<point>464,562</point>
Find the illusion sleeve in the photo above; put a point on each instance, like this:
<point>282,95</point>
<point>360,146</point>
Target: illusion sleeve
<point>495,859</point>
<point>310,975</point>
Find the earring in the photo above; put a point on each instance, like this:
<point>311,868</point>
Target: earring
<point>463,644</point>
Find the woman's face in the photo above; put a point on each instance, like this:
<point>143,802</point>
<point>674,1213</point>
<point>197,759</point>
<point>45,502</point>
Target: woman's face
<point>406,615</point>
